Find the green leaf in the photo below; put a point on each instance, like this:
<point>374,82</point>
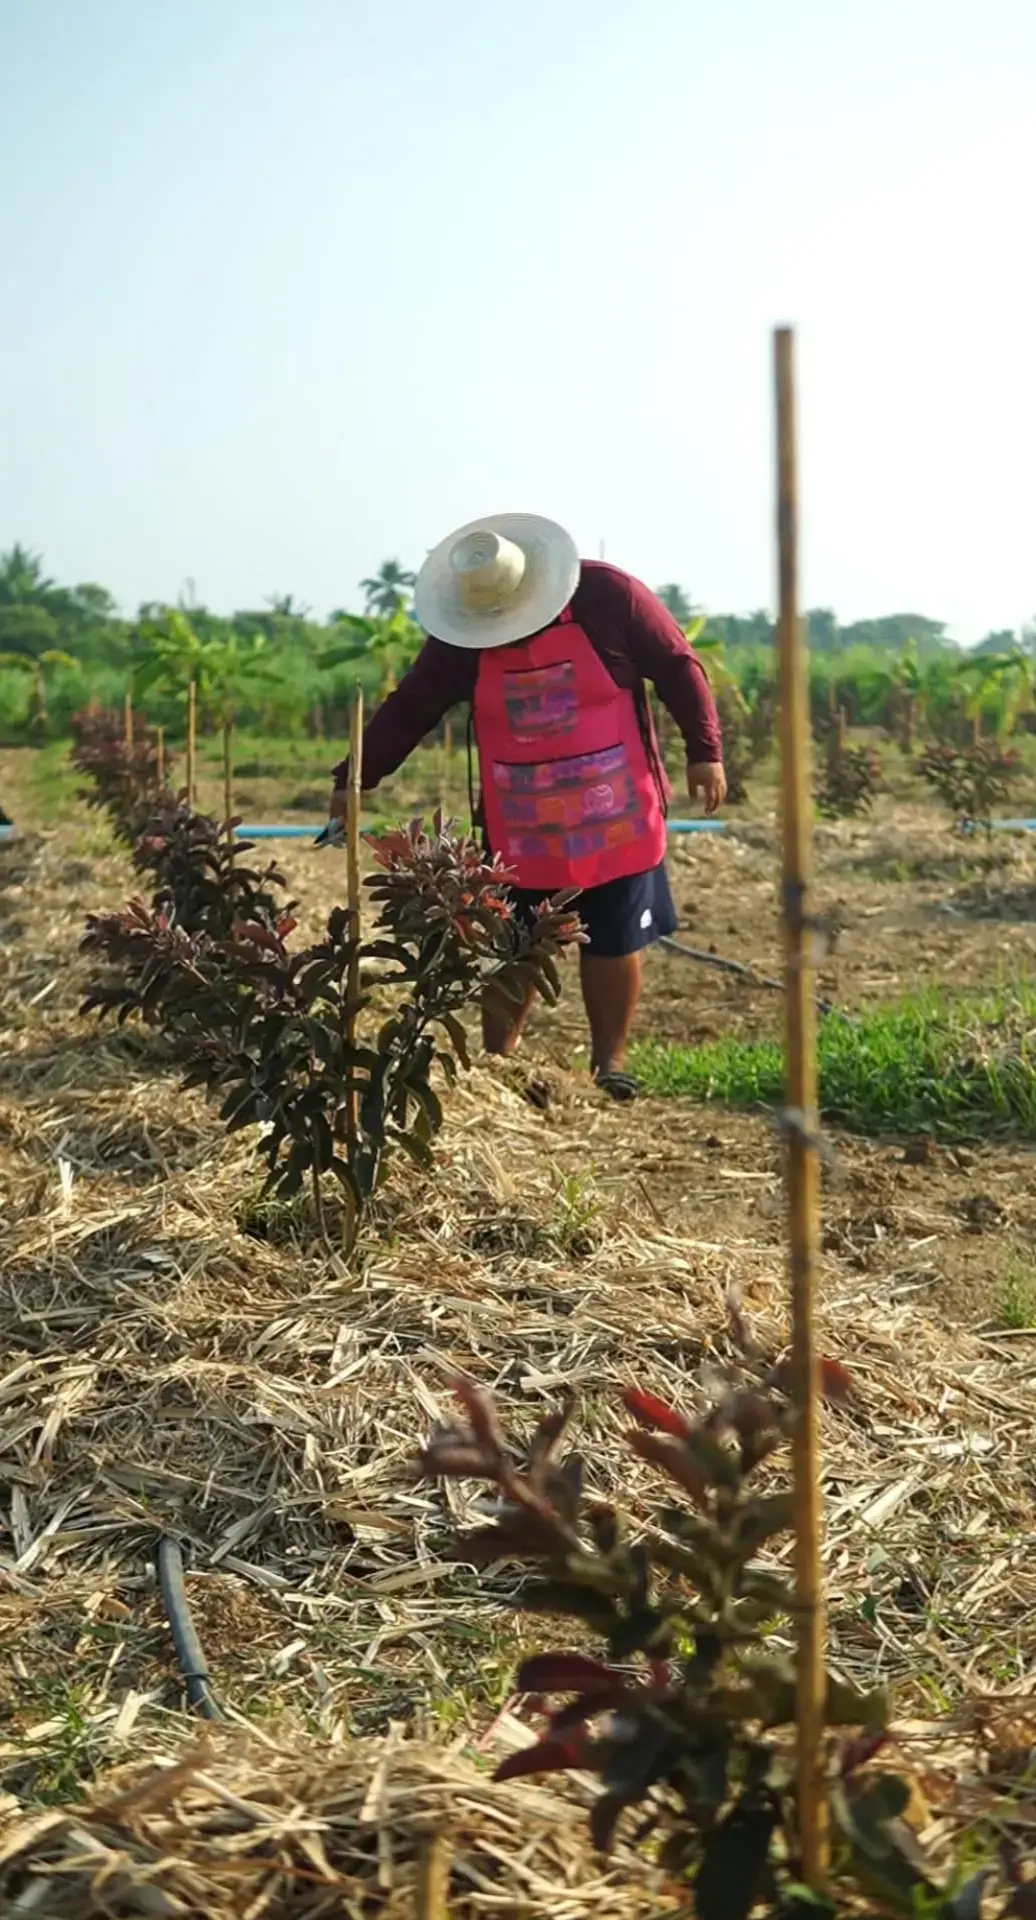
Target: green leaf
<point>715,1462</point>
<point>416,1149</point>
<point>759,1520</point>
<point>323,1142</point>
<point>847,1706</point>
<point>766,1587</point>
<point>429,1100</point>
<point>773,1690</point>
<point>458,1038</point>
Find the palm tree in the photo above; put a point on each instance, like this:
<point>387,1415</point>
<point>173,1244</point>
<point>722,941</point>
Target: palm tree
<point>286,605</point>
<point>389,590</point>
<point>22,579</point>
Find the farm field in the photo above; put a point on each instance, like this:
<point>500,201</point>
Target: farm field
<point>174,1355</point>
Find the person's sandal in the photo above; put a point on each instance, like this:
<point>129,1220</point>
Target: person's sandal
<point>618,1086</point>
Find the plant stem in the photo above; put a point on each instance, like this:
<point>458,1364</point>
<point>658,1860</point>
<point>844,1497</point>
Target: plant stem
<point>192,740</point>
<point>228,776</point>
<point>318,1200</point>
<point>803,1171</point>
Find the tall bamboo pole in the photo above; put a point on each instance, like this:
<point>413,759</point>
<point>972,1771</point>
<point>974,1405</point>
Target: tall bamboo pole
<point>352,848</point>
<point>192,741</point>
<point>803,1169</point>
<point>160,757</point>
<point>127,717</point>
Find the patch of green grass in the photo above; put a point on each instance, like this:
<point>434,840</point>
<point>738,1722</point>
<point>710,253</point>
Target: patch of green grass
<point>53,783</point>
<point>958,1066</point>
<point>1018,1297</point>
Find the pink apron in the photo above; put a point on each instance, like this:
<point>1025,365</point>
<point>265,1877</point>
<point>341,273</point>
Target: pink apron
<point>570,796</point>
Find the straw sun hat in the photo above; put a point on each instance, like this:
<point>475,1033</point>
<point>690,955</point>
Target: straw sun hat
<point>497,580</point>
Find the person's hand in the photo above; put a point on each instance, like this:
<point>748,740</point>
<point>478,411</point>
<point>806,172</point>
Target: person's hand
<point>339,805</point>
<point>707,778</point>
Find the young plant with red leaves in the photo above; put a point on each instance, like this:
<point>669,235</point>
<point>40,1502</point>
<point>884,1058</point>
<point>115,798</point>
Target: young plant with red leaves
<point>972,780</point>
<point>202,883</point>
<point>850,779</point>
<point>123,779</point>
<point>688,1711</point>
<point>268,1029</point>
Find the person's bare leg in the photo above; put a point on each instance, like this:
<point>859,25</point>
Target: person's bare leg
<point>611,989</point>
<point>502,1031</point>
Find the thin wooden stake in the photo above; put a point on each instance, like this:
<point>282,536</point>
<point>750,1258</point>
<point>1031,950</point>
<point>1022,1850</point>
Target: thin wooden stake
<point>127,717</point>
<point>803,1166</point>
<point>160,757</point>
<point>228,776</point>
<point>447,761</point>
<point>352,848</point>
<point>192,741</point>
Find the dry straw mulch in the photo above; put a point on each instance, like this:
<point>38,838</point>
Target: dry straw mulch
<point>161,1366</point>
<point>244,1829</point>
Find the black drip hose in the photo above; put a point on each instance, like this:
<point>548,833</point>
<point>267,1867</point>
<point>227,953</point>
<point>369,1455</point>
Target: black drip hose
<point>181,1626</point>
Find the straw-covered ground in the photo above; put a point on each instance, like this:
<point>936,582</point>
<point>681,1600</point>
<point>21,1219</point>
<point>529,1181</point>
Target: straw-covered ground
<point>173,1357</point>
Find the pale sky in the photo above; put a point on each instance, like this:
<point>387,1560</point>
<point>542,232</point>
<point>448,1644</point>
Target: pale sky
<point>292,285</point>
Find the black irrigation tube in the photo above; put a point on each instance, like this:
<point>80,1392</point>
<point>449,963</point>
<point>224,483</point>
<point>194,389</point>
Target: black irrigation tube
<point>741,972</point>
<point>181,1626</point>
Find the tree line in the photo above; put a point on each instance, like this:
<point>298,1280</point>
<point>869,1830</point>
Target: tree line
<point>280,669</point>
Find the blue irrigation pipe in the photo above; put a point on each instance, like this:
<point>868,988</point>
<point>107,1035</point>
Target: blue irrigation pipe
<point>674,826</point>
<point>310,833</point>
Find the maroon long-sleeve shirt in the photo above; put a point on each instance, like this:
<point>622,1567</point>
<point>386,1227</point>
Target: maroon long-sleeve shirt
<point>634,635</point>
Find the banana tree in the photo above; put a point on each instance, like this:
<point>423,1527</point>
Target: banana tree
<point>734,709</point>
<point>169,658</point>
<point>391,642</point>
<point>217,672</point>
<point>38,667</point>
<point>230,669</point>
<point>1011,674</point>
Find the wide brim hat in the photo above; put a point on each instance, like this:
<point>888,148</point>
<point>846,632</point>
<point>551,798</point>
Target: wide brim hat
<point>497,580</point>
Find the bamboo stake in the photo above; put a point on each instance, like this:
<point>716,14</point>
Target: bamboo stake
<point>228,776</point>
<point>127,717</point>
<point>352,847</point>
<point>160,757</point>
<point>192,740</point>
<point>447,757</point>
<point>803,1168</point>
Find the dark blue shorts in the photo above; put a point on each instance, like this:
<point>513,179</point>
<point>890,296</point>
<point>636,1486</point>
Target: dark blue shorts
<point>621,917</point>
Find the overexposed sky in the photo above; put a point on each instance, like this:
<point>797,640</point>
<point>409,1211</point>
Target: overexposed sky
<point>290,285</point>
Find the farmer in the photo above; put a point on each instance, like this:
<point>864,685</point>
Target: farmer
<point>553,654</point>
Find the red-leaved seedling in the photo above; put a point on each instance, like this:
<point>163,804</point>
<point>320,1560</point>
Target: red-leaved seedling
<point>268,1028</point>
<point>123,777</point>
<point>972,780</point>
<point>688,1708</point>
